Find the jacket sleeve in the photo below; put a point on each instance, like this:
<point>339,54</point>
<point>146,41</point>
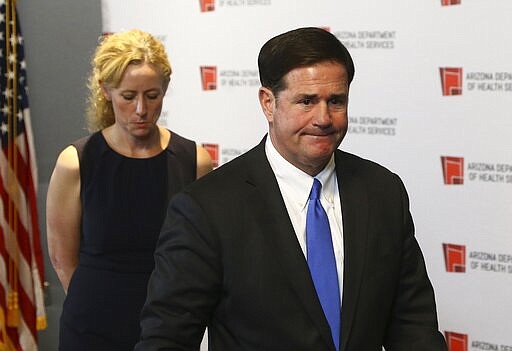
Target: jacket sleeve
<point>413,324</point>
<point>185,284</point>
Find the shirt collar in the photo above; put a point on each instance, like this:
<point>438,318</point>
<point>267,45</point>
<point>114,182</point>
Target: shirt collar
<point>297,181</point>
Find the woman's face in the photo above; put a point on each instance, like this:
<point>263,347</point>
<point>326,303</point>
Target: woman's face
<point>137,101</point>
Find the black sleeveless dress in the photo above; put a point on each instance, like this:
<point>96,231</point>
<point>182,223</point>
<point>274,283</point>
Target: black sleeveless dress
<point>124,201</point>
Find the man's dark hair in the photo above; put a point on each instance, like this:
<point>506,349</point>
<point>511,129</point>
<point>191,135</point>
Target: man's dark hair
<point>299,48</point>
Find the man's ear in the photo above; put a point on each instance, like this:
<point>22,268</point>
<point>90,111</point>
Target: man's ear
<point>267,102</point>
<point>106,91</point>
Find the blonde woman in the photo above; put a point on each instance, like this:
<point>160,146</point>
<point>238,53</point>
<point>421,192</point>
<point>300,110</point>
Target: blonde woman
<point>109,191</point>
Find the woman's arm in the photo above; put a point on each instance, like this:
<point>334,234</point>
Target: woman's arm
<point>204,161</point>
<point>63,215</point>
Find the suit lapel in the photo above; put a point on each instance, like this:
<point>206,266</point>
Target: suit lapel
<point>280,233</point>
<point>354,203</point>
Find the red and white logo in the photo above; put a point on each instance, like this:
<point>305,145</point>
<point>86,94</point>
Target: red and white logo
<point>453,170</point>
<point>455,258</point>
<point>213,150</point>
<point>207,5</point>
<point>450,2</point>
<point>451,80</point>
<point>209,77</point>
<point>456,341</point>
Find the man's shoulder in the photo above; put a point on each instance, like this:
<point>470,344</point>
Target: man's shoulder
<point>379,181</point>
<point>232,173</point>
<point>350,161</point>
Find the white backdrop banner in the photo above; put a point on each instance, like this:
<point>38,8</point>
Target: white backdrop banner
<point>431,100</point>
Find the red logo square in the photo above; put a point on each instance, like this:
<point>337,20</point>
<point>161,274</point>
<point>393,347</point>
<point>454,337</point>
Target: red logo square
<point>209,77</point>
<point>454,258</point>
<point>453,170</point>
<point>451,80</point>
<point>456,341</point>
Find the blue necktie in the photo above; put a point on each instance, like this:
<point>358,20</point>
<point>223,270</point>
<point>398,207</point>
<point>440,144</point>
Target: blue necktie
<point>321,261</point>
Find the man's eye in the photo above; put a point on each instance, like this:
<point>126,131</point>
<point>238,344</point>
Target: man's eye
<point>306,102</point>
<point>128,97</point>
<point>337,102</point>
<point>153,96</point>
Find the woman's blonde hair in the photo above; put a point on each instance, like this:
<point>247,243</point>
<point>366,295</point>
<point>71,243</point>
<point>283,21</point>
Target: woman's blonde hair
<point>111,58</point>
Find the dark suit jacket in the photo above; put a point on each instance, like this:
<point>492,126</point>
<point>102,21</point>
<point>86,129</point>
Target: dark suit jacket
<point>228,258</point>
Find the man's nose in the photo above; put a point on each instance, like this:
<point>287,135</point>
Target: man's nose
<point>322,114</point>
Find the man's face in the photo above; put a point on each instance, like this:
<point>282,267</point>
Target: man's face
<point>308,119</point>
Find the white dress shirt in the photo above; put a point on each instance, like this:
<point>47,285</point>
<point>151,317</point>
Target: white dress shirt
<point>295,186</point>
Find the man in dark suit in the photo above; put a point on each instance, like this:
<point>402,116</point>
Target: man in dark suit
<point>235,254</point>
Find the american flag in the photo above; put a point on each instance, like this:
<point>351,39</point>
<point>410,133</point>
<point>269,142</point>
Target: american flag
<point>22,310</point>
